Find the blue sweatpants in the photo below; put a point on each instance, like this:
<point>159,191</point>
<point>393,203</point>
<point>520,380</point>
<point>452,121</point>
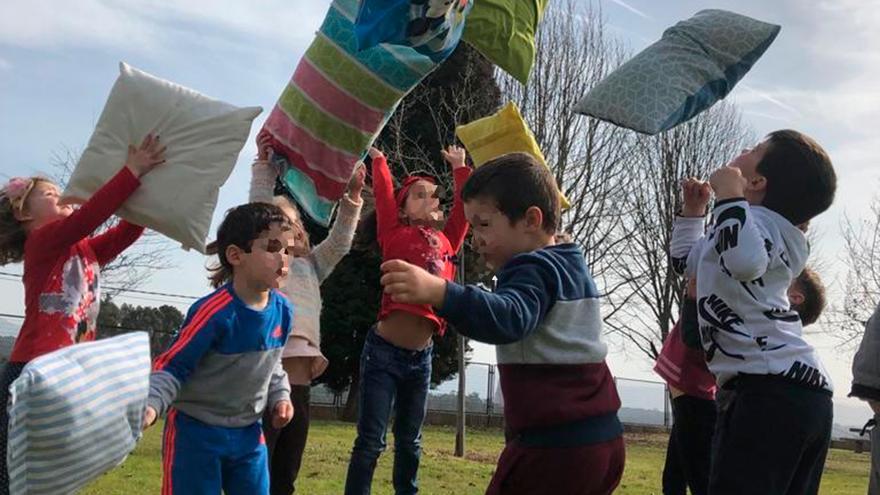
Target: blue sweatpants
<point>201,459</point>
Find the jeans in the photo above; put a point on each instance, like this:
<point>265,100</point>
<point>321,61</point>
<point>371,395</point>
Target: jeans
<point>389,375</point>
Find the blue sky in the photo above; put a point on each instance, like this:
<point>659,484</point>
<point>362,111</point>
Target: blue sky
<point>58,62</point>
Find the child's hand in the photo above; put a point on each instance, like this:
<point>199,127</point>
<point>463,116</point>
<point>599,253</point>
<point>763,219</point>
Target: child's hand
<point>695,194</point>
<point>143,159</point>
<point>149,417</point>
<point>356,183</point>
<point>282,414</point>
<point>455,156</point>
<point>728,182</point>
<point>375,153</point>
<point>410,284</point>
<point>264,146</point>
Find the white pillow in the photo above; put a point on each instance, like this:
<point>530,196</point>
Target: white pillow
<point>76,413</point>
<point>203,135</point>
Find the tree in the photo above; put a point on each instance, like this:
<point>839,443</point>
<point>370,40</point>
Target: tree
<point>162,323</point>
<point>862,258</point>
<point>648,304</point>
<point>459,91</point>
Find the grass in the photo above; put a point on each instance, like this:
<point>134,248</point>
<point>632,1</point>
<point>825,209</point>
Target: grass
<point>326,460</point>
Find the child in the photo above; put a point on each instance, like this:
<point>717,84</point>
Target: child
<point>774,434</point>
<point>224,366</point>
<point>560,401</point>
<point>682,364</point>
<point>866,386</point>
<point>396,360</point>
<point>302,358</point>
<point>61,262</point>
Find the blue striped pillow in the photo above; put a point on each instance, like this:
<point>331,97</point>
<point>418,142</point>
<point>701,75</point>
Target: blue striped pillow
<point>76,413</point>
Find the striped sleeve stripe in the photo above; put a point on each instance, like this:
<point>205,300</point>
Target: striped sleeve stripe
<point>209,309</point>
<point>168,452</point>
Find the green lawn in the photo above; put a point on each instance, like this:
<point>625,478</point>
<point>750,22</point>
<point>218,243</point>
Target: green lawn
<point>441,473</point>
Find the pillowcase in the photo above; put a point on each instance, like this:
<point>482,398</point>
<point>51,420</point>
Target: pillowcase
<point>337,101</point>
<point>504,31</point>
<point>431,27</point>
<point>203,135</point>
<point>76,413</point>
<point>696,63</point>
<point>501,133</point>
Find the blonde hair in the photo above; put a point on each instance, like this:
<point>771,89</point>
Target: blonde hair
<point>290,209</point>
<point>12,232</point>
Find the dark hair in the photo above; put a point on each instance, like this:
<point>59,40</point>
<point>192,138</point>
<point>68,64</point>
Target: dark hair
<point>516,182</point>
<point>240,227</point>
<point>809,283</point>
<point>800,178</point>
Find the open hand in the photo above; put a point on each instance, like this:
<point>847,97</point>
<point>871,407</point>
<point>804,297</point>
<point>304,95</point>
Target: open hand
<point>695,194</point>
<point>407,283</point>
<point>282,414</point>
<point>455,156</point>
<point>150,154</point>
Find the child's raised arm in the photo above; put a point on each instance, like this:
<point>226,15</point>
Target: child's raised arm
<point>328,253</point>
<point>688,228</point>
<point>263,173</point>
<point>383,192</point>
<point>457,226</point>
<point>106,200</point>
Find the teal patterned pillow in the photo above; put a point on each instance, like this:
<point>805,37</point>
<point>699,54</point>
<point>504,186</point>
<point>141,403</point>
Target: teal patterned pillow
<point>696,63</point>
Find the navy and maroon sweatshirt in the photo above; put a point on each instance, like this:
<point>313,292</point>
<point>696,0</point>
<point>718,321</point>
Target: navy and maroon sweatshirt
<point>544,319</point>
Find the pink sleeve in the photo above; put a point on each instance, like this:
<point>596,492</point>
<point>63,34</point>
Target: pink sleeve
<point>383,192</point>
<point>110,244</point>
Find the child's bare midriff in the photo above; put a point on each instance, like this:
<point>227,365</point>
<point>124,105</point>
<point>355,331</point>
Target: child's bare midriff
<point>407,330</point>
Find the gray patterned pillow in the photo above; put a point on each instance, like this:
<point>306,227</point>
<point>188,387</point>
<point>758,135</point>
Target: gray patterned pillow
<point>696,63</point>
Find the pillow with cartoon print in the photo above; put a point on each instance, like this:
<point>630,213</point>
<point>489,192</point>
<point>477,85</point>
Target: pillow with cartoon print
<point>696,63</point>
<point>432,27</point>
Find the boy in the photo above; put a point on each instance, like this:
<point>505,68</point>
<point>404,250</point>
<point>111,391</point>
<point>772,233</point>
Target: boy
<point>866,386</point>
<point>224,366</point>
<point>773,434</point>
<point>682,364</point>
<point>560,401</point>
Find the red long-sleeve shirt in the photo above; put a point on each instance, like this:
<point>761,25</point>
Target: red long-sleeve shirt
<point>422,246</point>
<point>61,267</point>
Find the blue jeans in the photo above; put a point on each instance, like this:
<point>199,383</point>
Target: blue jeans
<point>389,375</point>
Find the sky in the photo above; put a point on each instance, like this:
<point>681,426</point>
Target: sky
<point>58,63</point>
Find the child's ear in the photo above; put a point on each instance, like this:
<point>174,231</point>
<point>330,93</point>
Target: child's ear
<point>534,218</point>
<point>757,183</point>
<point>795,298</point>
<point>233,254</point>
<point>21,216</point>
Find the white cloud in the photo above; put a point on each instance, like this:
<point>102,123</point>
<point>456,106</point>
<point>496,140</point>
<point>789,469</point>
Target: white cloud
<point>150,25</point>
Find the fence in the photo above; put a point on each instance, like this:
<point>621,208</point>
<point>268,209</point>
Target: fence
<point>644,402</point>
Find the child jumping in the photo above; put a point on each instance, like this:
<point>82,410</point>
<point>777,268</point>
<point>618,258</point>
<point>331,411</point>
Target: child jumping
<point>682,365</point>
<point>395,363</point>
<point>774,433</point>
<point>61,262</point>
<point>224,367</point>
<point>302,357</point>
<point>560,401</point>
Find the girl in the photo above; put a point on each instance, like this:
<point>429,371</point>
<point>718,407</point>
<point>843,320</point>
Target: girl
<point>61,261</point>
<point>302,357</point>
<point>396,359</point>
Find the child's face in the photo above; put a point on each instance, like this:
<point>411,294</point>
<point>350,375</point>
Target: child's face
<point>265,266</point>
<point>747,162</point>
<point>496,239</point>
<point>422,207</point>
<point>41,206</point>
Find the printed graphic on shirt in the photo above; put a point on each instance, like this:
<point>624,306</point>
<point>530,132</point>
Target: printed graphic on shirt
<point>76,297</point>
<point>720,318</point>
<point>807,375</point>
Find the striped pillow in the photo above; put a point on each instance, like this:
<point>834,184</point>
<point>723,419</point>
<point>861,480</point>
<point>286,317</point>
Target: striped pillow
<point>334,107</point>
<point>76,413</point>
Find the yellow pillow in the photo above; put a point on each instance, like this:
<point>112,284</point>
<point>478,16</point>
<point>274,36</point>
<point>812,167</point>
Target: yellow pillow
<point>501,133</point>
